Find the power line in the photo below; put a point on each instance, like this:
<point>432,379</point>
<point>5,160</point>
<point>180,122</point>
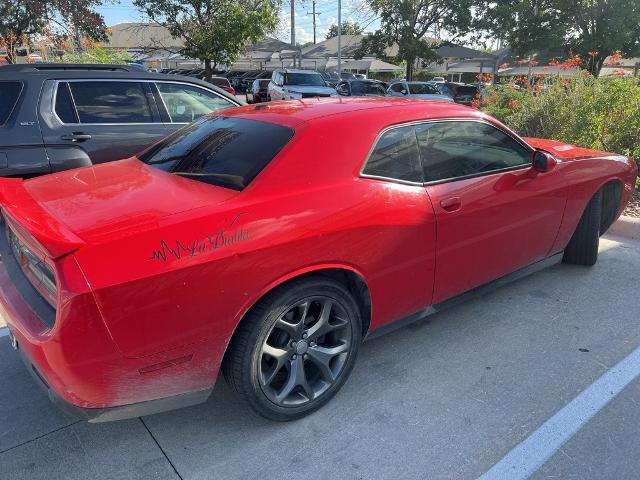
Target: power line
<point>314,20</point>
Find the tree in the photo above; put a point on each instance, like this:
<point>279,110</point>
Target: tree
<point>592,29</point>
<point>348,28</point>
<point>214,31</point>
<point>58,18</point>
<point>404,25</point>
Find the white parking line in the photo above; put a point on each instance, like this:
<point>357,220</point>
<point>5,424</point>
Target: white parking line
<point>4,332</point>
<point>521,462</point>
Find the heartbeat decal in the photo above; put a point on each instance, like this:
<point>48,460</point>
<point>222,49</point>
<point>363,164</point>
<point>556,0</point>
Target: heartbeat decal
<point>225,237</point>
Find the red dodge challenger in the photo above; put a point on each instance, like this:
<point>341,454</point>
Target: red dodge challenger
<point>268,241</point>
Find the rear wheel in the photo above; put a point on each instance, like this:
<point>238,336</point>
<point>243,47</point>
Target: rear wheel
<point>583,246</point>
<point>295,349</point>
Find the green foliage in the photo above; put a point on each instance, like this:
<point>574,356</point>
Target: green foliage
<point>598,113</point>
<point>348,28</point>
<point>98,54</point>
<point>60,19</point>
<point>580,26</point>
<point>214,31</point>
<point>406,23</point>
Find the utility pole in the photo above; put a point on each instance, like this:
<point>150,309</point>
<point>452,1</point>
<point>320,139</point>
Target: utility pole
<point>314,20</point>
<point>339,37</point>
<point>293,30</point>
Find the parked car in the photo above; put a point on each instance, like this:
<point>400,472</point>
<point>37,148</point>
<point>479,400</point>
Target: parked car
<point>222,83</point>
<point>259,91</point>
<point>252,241</point>
<point>55,117</point>
<point>247,80</point>
<point>330,78</point>
<point>459,92</point>
<point>361,88</point>
<point>421,90</point>
<point>290,84</point>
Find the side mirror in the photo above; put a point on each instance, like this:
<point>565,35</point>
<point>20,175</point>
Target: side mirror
<point>543,161</point>
<point>404,92</point>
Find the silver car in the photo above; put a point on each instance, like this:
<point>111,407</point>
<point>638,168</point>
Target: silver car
<point>421,90</point>
<point>289,84</point>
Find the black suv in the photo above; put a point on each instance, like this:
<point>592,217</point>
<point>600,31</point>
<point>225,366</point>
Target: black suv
<point>59,116</point>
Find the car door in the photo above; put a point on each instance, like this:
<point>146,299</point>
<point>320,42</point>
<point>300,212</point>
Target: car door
<point>494,214</point>
<point>102,119</point>
<point>180,103</point>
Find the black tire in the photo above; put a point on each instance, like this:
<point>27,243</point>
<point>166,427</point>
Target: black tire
<point>583,246</point>
<point>281,359</point>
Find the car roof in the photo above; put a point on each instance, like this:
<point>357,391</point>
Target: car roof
<point>376,112</point>
<point>40,72</point>
<point>298,70</point>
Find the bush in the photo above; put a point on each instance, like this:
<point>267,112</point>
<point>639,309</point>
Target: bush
<point>598,113</point>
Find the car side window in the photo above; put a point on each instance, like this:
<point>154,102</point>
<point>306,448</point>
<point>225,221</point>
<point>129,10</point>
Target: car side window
<point>185,103</point>
<point>453,149</point>
<point>64,105</point>
<point>397,87</point>
<point>396,155</point>
<point>111,102</point>
<point>9,96</point>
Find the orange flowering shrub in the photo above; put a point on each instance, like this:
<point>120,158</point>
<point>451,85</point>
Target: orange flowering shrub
<point>599,113</point>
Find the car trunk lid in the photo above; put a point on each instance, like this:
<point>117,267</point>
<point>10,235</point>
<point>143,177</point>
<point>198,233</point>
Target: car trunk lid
<point>106,201</point>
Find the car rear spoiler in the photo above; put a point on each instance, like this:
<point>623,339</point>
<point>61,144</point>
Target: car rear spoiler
<point>31,219</point>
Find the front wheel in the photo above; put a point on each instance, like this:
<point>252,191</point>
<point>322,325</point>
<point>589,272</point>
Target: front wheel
<point>295,349</point>
<point>583,246</point>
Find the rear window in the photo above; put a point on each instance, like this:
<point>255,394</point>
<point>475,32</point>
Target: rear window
<point>9,95</point>
<point>422,89</point>
<point>466,90</point>
<point>220,82</point>
<point>222,151</point>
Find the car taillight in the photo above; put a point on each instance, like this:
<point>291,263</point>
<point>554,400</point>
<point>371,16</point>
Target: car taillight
<point>36,270</point>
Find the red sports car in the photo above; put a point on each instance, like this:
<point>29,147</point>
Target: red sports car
<point>268,241</point>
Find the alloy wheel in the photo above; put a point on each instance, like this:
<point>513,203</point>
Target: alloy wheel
<point>305,352</point>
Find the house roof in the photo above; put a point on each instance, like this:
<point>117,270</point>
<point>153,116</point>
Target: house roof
<point>143,36</point>
<point>372,65</point>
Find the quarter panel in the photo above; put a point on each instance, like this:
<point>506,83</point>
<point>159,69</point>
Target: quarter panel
<point>193,280</point>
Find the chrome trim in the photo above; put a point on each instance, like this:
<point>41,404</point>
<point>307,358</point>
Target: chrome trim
<point>57,82</point>
<point>446,180</point>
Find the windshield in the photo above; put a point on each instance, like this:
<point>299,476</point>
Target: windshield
<point>367,88</point>
<point>311,79</point>
<point>223,151</point>
<point>422,89</point>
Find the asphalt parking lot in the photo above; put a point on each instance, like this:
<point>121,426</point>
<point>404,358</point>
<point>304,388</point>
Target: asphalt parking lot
<point>479,386</point>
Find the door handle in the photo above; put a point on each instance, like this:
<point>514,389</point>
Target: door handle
<point>451,204</point>
<point>76,137</point>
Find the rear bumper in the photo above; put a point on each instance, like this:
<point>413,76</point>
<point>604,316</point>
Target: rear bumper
<point>77,362</point>
<point>108,414</point>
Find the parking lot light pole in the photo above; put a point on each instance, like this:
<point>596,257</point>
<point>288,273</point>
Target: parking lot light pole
<point>339,36</point>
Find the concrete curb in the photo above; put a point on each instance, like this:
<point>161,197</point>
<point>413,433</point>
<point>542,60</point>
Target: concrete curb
<point>628,227</point>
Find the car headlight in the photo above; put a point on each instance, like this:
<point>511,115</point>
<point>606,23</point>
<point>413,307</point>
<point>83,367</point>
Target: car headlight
<point>294,95</point>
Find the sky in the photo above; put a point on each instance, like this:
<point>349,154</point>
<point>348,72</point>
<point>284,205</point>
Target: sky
<point>352,10</point>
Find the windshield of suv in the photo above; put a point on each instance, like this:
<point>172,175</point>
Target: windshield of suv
<point>312,79</point>
<point>422,89</point>
<point>224,151</point>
